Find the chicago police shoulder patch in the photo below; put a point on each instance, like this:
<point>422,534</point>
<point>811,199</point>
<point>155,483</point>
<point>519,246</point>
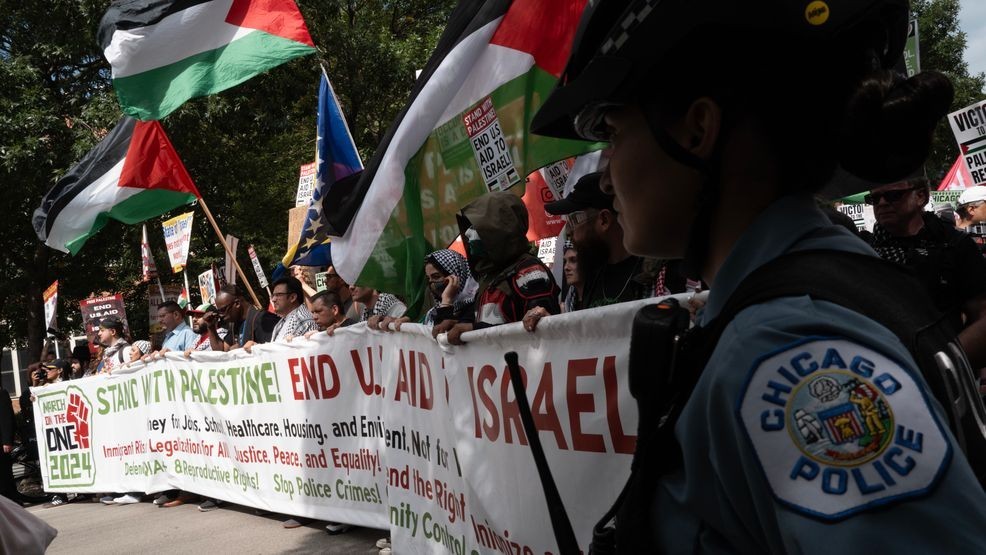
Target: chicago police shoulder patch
<point>839,428</point>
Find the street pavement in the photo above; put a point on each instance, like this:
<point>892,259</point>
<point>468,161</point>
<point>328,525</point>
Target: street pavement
<point>86,527</point>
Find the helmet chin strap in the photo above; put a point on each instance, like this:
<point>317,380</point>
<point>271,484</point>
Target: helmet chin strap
<point>697,249</point>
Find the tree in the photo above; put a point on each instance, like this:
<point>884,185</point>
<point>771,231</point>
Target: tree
<point>942,46</point>
<point>242,147</point>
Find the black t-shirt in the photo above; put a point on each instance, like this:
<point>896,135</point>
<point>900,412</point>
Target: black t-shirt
<point>258,326</point>
<point>947,261</point>
<point>616,283</point>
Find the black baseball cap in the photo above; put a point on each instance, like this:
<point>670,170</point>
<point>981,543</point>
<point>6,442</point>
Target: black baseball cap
<point>586,194</point>
<point>112,323</point>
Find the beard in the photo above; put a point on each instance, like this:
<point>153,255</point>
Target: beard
<point>593,254</point>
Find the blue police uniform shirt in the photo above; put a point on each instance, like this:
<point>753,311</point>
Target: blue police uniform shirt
<point>811,429</point>
<point>181,338</point>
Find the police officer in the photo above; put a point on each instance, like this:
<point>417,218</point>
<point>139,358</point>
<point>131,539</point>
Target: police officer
<point>723,118</point>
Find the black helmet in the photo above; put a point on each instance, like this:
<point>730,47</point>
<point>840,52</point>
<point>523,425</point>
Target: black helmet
<point>617,47</point>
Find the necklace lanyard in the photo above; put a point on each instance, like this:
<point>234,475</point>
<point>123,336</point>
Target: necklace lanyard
<point>602,283</point>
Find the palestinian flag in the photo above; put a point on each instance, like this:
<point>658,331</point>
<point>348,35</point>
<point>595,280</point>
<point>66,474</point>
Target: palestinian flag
<point>166,52</point>
<point>464,133</point>
<point>132,175</point>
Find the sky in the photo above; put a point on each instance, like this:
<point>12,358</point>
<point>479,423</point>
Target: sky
<point>972,20</point>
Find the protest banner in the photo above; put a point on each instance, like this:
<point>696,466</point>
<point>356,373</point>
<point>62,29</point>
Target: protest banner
<point>50,298</point>
<point>170,292</point>
<point>969,128</point>
<point>177,237</point>
<point>306,184</point>
<point>861,214</point>
<point>97,308</point>
<point>207,286</point>
<point>261,276</point>
<point>392,431</point>
<point>541,224</point>
<point>546,251</point>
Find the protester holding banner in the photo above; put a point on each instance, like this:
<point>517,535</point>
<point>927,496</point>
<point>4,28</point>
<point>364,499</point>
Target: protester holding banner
<point>289,303</point>
<point>768,453</point>
<point>329,312</point>
<point>946,260</point>
<point>512,282</point>
<point>117,349</point>
<point>248,324</point>
<point>613,274</point>
<point>178,336</point>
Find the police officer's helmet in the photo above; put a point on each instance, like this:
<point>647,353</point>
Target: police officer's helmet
<point>617,47</point>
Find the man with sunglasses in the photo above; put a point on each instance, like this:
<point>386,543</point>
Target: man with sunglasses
<point>613,275</point>
<point>246,323</point>
<point>946,260</point>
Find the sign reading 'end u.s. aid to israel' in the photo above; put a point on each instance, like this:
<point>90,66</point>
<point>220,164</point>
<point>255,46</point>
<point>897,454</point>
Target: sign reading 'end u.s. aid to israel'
<point>840,428</point>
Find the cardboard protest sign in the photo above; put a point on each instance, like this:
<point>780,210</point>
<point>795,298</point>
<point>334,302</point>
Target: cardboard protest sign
<point>50,298</point>
<point>306,184</point>
<point>97,308</point>
<point>207,286</point>
<point>490,147</point>
<point>177,237</point>
<point>261,276</point>
<point>969,128</point>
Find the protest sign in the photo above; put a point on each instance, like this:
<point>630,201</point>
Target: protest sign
<point>50,298</point>
<point>306,184</point>
<point>969,128</point>
<point>171,293</point>
<point>207,286</point>
<point>97,308</point>
<point>546,251</point>
<point>177,237</point>
<point>261,276</point>
<point>490,147</point>
<point>321,280</point>
<point>912,50</point>
<point>541,224</point>
<point>861,214</point>
<point>391,431</point>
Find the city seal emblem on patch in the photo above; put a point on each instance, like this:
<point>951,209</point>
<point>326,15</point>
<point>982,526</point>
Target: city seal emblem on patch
<point>840,428</point>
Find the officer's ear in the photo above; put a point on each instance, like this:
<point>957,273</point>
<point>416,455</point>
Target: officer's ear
<point>702,125</point>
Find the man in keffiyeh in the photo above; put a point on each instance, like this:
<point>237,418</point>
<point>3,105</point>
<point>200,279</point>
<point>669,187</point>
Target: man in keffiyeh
<point>946,260</point>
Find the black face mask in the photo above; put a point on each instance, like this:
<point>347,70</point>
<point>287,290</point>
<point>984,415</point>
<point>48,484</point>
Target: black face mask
<point>437,288</point>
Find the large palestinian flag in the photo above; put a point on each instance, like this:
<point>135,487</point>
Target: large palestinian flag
<point>464,133</point>
<point>166,52</point>
<point>132,175</point>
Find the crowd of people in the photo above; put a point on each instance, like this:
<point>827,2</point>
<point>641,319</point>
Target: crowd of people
<point>704,184</point>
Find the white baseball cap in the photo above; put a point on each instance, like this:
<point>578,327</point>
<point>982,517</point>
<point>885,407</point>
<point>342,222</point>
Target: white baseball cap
<point>973,194</point>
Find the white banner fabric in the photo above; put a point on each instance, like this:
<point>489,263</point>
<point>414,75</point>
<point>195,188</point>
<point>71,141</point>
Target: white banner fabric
<point>387,430</point>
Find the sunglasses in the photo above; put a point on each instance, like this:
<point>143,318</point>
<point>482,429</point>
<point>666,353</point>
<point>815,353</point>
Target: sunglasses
<point>578,218</point>
<point>890,196</point>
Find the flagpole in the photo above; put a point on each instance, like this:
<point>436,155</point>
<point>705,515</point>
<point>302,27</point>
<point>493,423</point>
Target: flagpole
<point>222,239</point>
<point>188,299</point>
<point>160,287</point>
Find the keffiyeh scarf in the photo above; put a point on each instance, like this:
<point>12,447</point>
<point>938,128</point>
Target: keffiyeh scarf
<point>453,263</point>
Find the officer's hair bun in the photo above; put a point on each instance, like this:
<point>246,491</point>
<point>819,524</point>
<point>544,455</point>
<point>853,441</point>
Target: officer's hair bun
<point>889,121</point>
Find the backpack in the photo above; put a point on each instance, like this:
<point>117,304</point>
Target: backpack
<point>667,359</point>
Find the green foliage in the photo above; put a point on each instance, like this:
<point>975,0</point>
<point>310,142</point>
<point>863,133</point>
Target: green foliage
<point>242,147</point>
<point>942,45</point>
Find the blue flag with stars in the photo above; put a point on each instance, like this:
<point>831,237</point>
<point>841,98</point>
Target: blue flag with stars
<point>335,158</point>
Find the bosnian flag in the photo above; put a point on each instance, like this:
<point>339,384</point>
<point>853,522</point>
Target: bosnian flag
<point>132,175</point>
<point>464,133</point>
<point>166,52</point>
